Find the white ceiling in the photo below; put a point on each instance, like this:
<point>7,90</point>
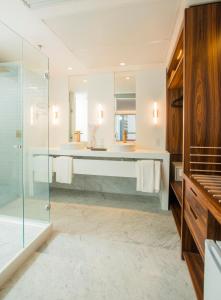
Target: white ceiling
<point>136,32</point>
<point>40,3</point>
<point>91,35</point>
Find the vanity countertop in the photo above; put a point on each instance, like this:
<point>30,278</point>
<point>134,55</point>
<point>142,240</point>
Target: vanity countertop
<point>154,154</point>
<point>147,153</point>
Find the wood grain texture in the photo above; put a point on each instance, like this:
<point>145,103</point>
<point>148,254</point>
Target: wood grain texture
<point>187,242</point>
<point>213,229</point>
<point>176,203</point>
<point>174,123</point>
<point>196,269</point>
<point>174,136</point>
<point>177,189</point>
<point>195,214</point>
<point>205,198</point>
<point>202,78</point>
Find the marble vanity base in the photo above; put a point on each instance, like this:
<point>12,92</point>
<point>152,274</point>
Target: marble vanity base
<point>103,184</point>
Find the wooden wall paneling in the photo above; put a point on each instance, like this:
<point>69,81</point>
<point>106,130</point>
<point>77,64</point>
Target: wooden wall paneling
<point>187,242</point>
<point>175,123</point>
<point>202,78</point>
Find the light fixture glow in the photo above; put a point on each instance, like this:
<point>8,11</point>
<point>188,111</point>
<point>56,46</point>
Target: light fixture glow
<point>55,115</point>
<point>70,68</point>
<point>127,78</point>
<point>100,114</point>
<point>179,54</point>
<point>122,64</point>
<point>155,113</point>
<point>85,80</point>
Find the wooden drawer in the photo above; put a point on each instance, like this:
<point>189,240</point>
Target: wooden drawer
<point>195,214</point>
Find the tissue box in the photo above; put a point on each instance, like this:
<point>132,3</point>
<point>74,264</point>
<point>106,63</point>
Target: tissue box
<point>177,171</point>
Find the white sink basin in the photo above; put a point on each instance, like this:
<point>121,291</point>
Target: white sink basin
<point>73,146</point>
<point>123,147</point>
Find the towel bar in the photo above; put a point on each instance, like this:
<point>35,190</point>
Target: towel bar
<point>109,158</point>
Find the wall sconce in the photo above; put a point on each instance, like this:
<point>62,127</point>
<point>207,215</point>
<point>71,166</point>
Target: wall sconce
<point>155,113</point>
<point>55,117</point>
<point>100,114</point>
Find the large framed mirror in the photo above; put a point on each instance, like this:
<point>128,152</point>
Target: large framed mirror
<point>78,107</point>
<point>125,105</point>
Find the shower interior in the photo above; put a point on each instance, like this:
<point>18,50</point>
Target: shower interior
<point>24,205</point>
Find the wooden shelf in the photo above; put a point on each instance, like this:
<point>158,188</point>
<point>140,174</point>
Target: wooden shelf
<point>176,80</point>
<point>196,269</point>
<point>176,211</point>
<point>176,203</point>
<point>177,188</point>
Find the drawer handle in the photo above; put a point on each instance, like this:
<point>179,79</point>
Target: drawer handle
<point>193,213</point>
<point>192,190</point>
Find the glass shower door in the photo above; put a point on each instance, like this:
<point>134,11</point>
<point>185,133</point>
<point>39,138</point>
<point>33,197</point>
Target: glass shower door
<point>35,151</point>
<point>11,142</point>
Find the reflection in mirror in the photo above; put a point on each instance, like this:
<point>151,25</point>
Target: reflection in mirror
<point>78,106</point>
<point>125,105</point>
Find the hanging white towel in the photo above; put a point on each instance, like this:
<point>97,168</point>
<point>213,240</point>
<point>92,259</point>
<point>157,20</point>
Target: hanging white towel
<point>139,175</point>
<point>157,177</point>
<point>148,173</point>
<point>148,176</point>
<point>63,169</point>
<point>43,168</point>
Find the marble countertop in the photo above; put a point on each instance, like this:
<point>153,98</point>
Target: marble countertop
<point>147,153</point>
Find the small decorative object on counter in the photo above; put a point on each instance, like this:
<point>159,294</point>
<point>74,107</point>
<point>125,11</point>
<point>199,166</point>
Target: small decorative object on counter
<point>124,136</point>
<point>77,136</point>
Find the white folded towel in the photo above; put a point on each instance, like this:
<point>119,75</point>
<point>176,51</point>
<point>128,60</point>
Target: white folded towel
<point>42,167</point>
<point>139,175</point>
<point>157,177</point>
<point>148,173</point>
<point>63,169</point>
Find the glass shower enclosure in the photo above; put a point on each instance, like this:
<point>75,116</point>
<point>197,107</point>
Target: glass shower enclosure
<point>24,176</point>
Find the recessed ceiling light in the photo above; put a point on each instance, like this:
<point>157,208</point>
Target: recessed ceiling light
<point>85,80</point>
<point>127,78</point>
<point>122,64</point>
<point>70,68</point>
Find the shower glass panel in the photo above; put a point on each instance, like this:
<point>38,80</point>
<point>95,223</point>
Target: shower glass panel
<point>35,150</point>
<point>11,198</point>
<point>24,195</point>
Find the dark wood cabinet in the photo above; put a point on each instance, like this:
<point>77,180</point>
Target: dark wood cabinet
<point>202,77</point>
<point>194,134</point>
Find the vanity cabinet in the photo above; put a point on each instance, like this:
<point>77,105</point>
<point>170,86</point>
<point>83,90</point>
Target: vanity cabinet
<point>195,214</point>
<point>200,221</point>
<point>194,107</point>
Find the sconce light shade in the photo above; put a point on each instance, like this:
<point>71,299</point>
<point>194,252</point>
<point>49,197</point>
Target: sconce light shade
<point>55,114</point>
<point>155,113</point>
<point>100,113</point>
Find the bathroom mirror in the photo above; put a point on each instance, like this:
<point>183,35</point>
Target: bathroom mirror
<point>125,105</point>
<point>78,106</point>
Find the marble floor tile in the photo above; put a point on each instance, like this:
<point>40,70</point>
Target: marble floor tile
<point>11,236</point>
<point>102,249</point>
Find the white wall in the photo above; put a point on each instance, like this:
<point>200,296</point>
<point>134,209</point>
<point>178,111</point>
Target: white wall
<point>59,96</point>
<point>101,91</point>
<point>151,87</point>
